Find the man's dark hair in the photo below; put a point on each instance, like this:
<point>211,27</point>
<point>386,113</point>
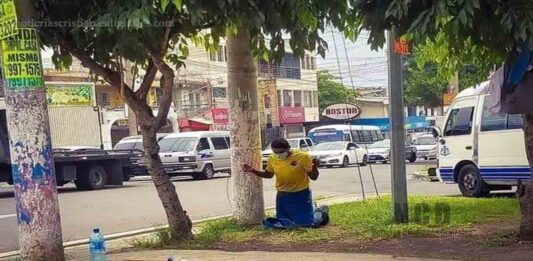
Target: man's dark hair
<point>280,143</point>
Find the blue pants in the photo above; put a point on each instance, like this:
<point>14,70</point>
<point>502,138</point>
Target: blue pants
<point>295,206</point>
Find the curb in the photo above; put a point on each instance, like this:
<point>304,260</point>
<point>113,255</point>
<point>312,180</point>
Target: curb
<point>153,229</point>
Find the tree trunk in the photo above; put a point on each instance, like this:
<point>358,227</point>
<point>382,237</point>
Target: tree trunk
<point>245,131</point>
<point>32,162</point>
<point>525,189</point>
<point>178,220</point>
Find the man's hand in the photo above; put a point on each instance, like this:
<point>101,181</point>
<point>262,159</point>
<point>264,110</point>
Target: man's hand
<point>262,174</point>
<point>248,168</point>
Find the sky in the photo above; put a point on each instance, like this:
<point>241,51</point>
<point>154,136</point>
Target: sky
<point>368,68</point>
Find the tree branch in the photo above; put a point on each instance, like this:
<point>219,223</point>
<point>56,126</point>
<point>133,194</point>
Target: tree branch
<point>167,84</point>
<point>147,82</point>
<point>110,76</point>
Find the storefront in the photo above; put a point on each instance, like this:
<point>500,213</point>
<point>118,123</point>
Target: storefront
<point>292,119</point>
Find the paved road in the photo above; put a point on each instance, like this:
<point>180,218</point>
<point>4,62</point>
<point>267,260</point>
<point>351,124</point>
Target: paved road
<point>136,204</point>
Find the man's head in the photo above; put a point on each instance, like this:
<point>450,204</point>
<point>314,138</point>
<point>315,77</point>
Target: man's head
<point>280,147</point>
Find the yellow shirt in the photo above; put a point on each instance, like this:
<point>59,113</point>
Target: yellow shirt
<point>291,173</point>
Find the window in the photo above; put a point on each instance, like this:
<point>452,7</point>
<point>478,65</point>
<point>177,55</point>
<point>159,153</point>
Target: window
<point>347,137</point>
<point>309,142</point>
<point>313,63</point>
<point>352,145</point>
<point>266,100</point>
<point>515,121</point>
<point>213,56</point>
<point>220,92</point>
<point>307,62</point>
<point>308,99</point>
<point>367,137</point>
<point>374,135</point>
<point>219,143</point>
<point>297,98</point>
<point>279,98</point>
<point>287,98</point>
<point>103,99</point>
<point>315,99</point>
<point>459,122</point>
<point>203,144</point>
<point>268,119</point>
<point>158,95</point>
<point>288,68</point>
<point>303,144</point>
<point>494,122</point>
<point>228,141</point>
<point>220,55</point>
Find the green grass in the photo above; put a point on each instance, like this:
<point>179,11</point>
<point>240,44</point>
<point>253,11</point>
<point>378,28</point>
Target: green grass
<point>368,220</point>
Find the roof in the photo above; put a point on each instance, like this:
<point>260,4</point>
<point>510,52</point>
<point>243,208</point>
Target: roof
<point>346,127</point>
<point>198,134</point>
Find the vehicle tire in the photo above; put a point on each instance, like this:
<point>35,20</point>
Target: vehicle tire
<point>127,177</point>
<point>92,178</point>
<point>385,161</point>
<point>207,173</point>
<point>412,157</point>
<point>426,158</point>
<point>470,182</point>
<point>365,161</point>
<point>345,162</point>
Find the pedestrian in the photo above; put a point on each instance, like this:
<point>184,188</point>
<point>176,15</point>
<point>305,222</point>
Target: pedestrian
<point>292,169</point>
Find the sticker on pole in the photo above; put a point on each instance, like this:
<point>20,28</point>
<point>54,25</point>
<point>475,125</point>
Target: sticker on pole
<point>21,60</point>
<point>8,19</point>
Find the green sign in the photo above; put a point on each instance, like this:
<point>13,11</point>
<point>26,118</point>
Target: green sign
<point>8,19</point>
<point>69,94</point>
<point>21,60</point>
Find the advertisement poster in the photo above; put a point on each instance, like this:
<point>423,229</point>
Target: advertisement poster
<point>21,61</point>
<point>69,94</point>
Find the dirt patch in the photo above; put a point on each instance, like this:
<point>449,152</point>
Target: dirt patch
<point>492,241</point>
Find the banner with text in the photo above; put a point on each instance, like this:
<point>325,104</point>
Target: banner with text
<point>21,61</point>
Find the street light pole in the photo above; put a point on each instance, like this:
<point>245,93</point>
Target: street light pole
<point>32,162</point>
<point>397,123</point>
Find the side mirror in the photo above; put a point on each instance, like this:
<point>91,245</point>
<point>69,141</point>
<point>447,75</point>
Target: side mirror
<point>436,131</point>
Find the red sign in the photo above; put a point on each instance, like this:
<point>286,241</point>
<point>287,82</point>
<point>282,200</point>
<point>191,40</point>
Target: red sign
<point>291,114</point>
<point>220,116</point>
<point>401,46</point>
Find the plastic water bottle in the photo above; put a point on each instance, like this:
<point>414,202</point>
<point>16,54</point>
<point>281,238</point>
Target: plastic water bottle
<point>97,246</point>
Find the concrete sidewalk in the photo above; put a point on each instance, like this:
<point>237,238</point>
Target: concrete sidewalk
<point>213,255</point>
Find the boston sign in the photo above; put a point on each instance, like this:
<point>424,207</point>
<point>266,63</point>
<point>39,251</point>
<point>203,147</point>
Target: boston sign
<point>342,111</point>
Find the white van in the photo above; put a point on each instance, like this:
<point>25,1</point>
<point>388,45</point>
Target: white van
<point>480,151</point>
<point>198,154</point>
<point>134,142</point>
<point>360,134</point>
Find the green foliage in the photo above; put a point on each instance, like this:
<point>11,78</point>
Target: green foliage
<point>452,30</point>
<point>331,91</point>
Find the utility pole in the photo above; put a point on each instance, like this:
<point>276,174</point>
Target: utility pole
<point>32,162</point>
<point>397,123</point>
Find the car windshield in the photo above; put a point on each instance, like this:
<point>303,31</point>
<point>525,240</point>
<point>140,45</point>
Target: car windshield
<point>425,141</point>
<point>292,143</point>
<point>180,144</point>
<point>125,145</point>
<point>330,146</point>
<point>61,150</point>
<point>384,144</point>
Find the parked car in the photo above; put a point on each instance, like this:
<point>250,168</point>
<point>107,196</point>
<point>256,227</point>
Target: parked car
<point>380,152</point>
<point>426,147</point>
<point>134,142</point>
<point>138,164</point>
<point>199,154</point>
<point>75,148</point>
<point>304,144</point>
<point>339,153</point>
